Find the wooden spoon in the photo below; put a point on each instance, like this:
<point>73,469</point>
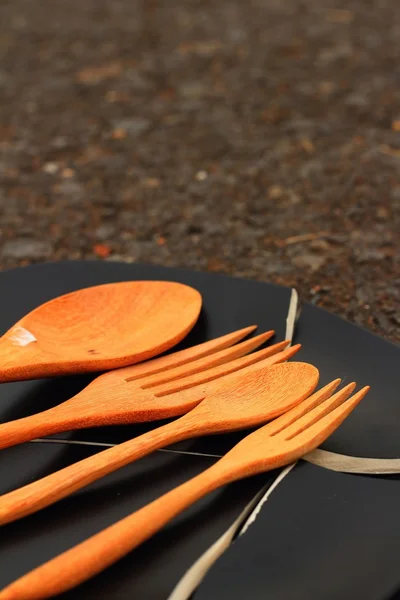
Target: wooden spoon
<point>236,401</point>
<point>99,328</point>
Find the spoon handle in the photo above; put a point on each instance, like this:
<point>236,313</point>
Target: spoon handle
<point>95,554</point>
<point>47,490</point>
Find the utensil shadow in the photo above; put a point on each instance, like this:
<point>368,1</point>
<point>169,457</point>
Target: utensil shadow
<point>25,398</point>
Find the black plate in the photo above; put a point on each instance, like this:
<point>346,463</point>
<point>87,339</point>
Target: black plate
<point>152,570</point>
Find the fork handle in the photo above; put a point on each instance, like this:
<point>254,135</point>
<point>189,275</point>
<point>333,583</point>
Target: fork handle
<point>43,492</point>
<point>41,424</point>
<point>98,552</point>
<point>89,408</point>
<point>80,411</point>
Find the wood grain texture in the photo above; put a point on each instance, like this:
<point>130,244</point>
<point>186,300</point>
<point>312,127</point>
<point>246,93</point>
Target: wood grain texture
<point>233,402</point>
<point>99,328</point>
<point>280,442</point>
<point>111,400</point>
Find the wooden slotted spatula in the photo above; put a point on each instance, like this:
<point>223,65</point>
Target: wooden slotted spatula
<point>283,388</point>
<point>99,328</point>
<point>126,395</point>
<point>281,442</point>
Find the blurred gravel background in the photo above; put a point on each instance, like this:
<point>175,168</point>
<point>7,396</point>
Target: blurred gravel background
<point>257,138</point>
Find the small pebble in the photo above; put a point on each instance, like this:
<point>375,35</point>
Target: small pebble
<point>27,248</point>
<point>309,261</point>
<point>134,126</point>
<point>50,168</point>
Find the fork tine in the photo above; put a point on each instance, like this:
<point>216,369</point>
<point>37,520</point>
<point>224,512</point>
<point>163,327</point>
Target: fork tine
<point>318,432</point>
<point>196,366</point>
<point>169,361</point>
<point>317,414</point>
<point>269,356</point>
<point>313,415</point>
<point>294,414</point>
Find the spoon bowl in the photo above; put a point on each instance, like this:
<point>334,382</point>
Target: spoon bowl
<point>99,328</point>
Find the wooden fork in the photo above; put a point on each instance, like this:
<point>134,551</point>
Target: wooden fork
<point>43,492</point>
<point>282,441</point>
<point>118,396</point>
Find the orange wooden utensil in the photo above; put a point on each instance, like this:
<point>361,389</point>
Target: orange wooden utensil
<point>282,441</point>
<point>229,399</point>
<point>99,328</point>
<point>120,397</point>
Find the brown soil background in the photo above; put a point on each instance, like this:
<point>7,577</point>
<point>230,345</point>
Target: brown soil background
<point>257,138</point>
